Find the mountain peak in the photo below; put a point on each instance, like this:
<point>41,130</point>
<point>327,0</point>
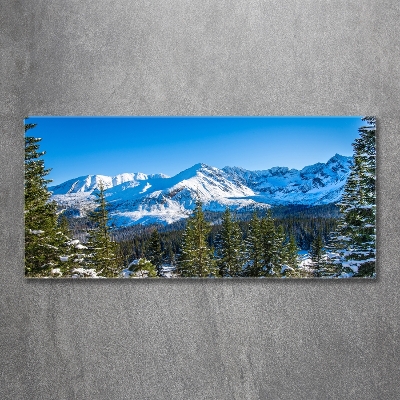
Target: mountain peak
<point>339,157</point>
<point>200,166</point>
<point>193,170</point>
<point>142,198</point>
<point>90,183</point>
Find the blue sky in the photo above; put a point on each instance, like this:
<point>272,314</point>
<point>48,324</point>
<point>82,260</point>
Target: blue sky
<point>77,146</point>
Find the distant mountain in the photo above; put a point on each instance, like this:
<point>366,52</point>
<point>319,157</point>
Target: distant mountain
<point>140,198</point>
<point>313,185</point>
<point>89,183</point>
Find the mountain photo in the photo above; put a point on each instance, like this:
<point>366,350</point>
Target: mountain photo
<point>209,197</point>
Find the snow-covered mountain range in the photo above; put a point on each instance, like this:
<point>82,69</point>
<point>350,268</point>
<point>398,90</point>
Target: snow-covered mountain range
<point>140,198</point>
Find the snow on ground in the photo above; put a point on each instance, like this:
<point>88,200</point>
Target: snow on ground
<point>168,271</point>
<point>85,273</point>
<point>306,263</point>
<point>286,268</point>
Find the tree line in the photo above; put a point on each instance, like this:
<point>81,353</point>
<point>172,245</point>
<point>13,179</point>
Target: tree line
<point>231,234</point>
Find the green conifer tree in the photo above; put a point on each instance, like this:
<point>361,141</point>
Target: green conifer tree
<point>67,249</point>
<point>318,253</point>
<point>102,251</point>
<point>230,248</point>
<point>196,257</point>
<point>279,250</point>
<point>154,251</point>
<point>71,250</point>
<point>268,241</point>
<point>42,236</point>
<point>143,269</point>
<point>291,258</point>
<point>254,248</point>
<point>354,240</point>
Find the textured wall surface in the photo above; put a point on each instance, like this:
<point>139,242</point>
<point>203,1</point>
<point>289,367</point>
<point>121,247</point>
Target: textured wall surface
<point>199,340</point>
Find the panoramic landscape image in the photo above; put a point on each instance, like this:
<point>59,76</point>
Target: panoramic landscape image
<point>200,197</point>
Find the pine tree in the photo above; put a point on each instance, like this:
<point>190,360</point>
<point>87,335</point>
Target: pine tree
<point>42,236</point>
<point>196,256</point>
<point>292,253</point>
<point>354,239</point>
<point>317,253</point>
<point>102,253</point>
<point>279,250</point>
<point>154,251</point>
<point>291,258</point>
<point>254,248</point>
<point>268,242</point>
<point>143,269</point>
<point>68,253</point>
<point>230,249</point>
<point>71,250</point>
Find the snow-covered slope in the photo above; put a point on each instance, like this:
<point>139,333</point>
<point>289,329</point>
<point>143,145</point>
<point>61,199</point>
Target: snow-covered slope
<point>170,199</point>
<point>77,196</point>
<point>315,184</point>
<point>89,183</point>
<point>140,198</point>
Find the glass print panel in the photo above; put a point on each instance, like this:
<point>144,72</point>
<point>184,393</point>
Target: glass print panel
<point>200,197</point>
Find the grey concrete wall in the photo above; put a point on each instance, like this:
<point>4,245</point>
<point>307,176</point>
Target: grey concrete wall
<point>199,340</point>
